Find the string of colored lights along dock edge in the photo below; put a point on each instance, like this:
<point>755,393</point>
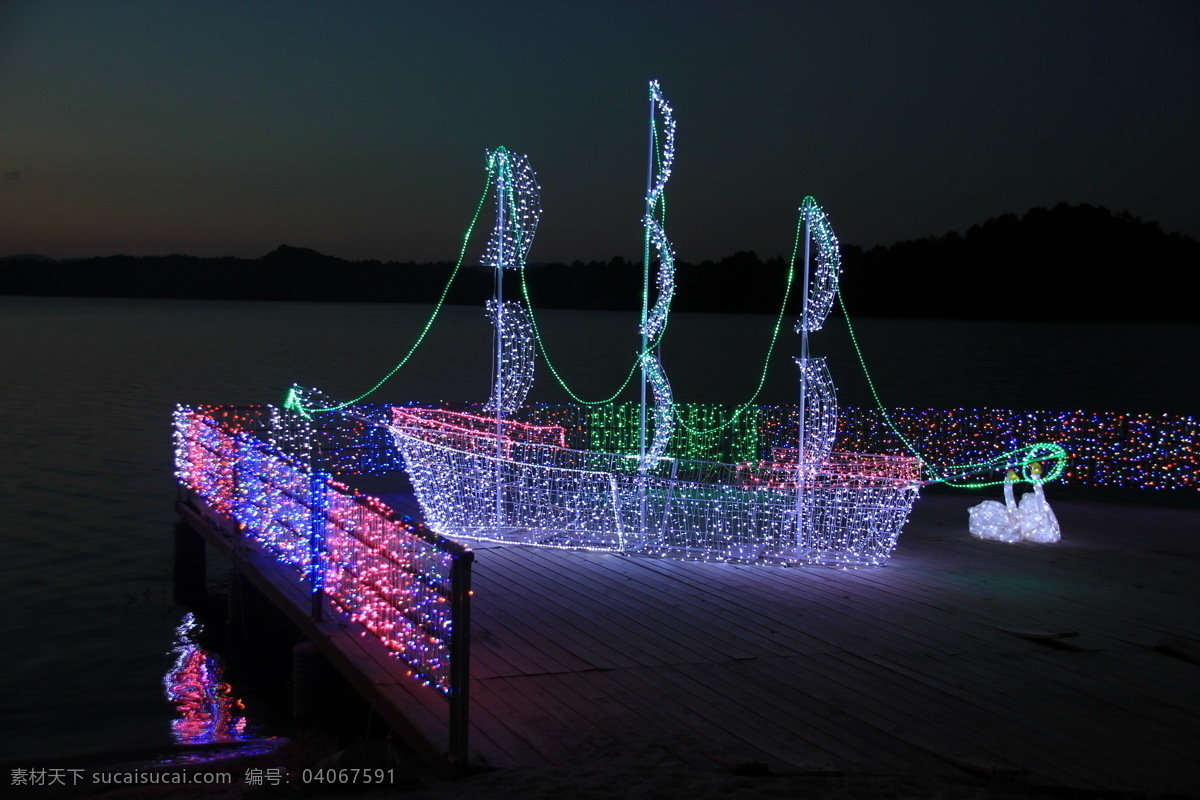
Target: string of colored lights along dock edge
<point>1022,457</point>
<point>293,403</point>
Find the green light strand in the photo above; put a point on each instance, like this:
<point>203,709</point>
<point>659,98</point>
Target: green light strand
<point>614,428</point>
<point>1032,453</point>
<point>871,385</point>
<point>510,198</point>
<point>654,148</point>
<point>762,378</point>
<point>661,206</point>
<point>550,364</point>
<point>292,402</point>
<point>1023,457</point>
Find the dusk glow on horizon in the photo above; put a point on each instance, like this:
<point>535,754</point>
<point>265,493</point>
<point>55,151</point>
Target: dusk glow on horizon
<point>362,130</point>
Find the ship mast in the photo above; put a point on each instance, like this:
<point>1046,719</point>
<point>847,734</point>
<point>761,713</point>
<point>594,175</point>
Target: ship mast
<point>817,409</point>
<point>654,317</point>
<point>503,190</point>
<point>650,202</point>
<point>800,408</point>
<point>518,209</point>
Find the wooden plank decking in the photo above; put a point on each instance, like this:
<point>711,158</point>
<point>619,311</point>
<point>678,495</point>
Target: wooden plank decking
<point>949,658</point>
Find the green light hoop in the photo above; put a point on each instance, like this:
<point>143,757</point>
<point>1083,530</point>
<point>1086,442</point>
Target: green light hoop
<point>1022,457</point>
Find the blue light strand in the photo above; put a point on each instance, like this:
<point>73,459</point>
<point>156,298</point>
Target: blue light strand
<point>382,571</point>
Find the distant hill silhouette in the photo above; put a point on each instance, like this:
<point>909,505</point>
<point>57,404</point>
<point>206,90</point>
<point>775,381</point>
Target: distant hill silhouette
<point>1069,262</point>
<point>26,257</point>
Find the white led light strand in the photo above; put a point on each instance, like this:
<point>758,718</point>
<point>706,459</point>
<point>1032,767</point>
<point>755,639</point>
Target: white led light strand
<point>843,502</point>
<point>517,357</point>
<point>292,426</point>
<point>554,496</point>
<point>664,411</point>
<point>381,570</point>
<point>487,478</point>
<point>821,411</point>
<point>654,322</point>
<point>518,210</point>
<point>824,281</point>
<point>994,520</point>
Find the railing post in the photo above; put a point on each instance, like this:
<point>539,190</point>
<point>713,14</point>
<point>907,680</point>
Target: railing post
<point>318,498</point>
<point>190,566</point>
<point>236,492</point>
<point>460,658</point>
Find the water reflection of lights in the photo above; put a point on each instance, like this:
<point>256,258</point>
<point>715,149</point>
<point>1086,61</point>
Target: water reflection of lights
<point>207,712</point>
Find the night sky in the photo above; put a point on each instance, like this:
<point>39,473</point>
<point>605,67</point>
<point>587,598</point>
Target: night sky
<point>359,129</point>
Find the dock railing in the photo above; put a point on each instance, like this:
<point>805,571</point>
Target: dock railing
<point>406,585</point>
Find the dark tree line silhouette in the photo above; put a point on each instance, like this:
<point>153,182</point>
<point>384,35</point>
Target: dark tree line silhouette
<point>1067,262</point>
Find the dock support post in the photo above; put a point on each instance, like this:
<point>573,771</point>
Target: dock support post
<point>460,659</point>
<point>236,602</point>
<point>312,677</point>
<point>190,567</point>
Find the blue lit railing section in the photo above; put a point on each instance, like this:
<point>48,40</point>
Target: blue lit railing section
<point>400,581</point>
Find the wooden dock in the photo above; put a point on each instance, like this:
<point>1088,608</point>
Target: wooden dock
<point>1070,665</point>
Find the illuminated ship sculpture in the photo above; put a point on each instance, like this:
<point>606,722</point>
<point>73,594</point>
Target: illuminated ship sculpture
<point>492,476</point>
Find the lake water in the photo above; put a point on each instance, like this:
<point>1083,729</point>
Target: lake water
<point>86,485</point>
